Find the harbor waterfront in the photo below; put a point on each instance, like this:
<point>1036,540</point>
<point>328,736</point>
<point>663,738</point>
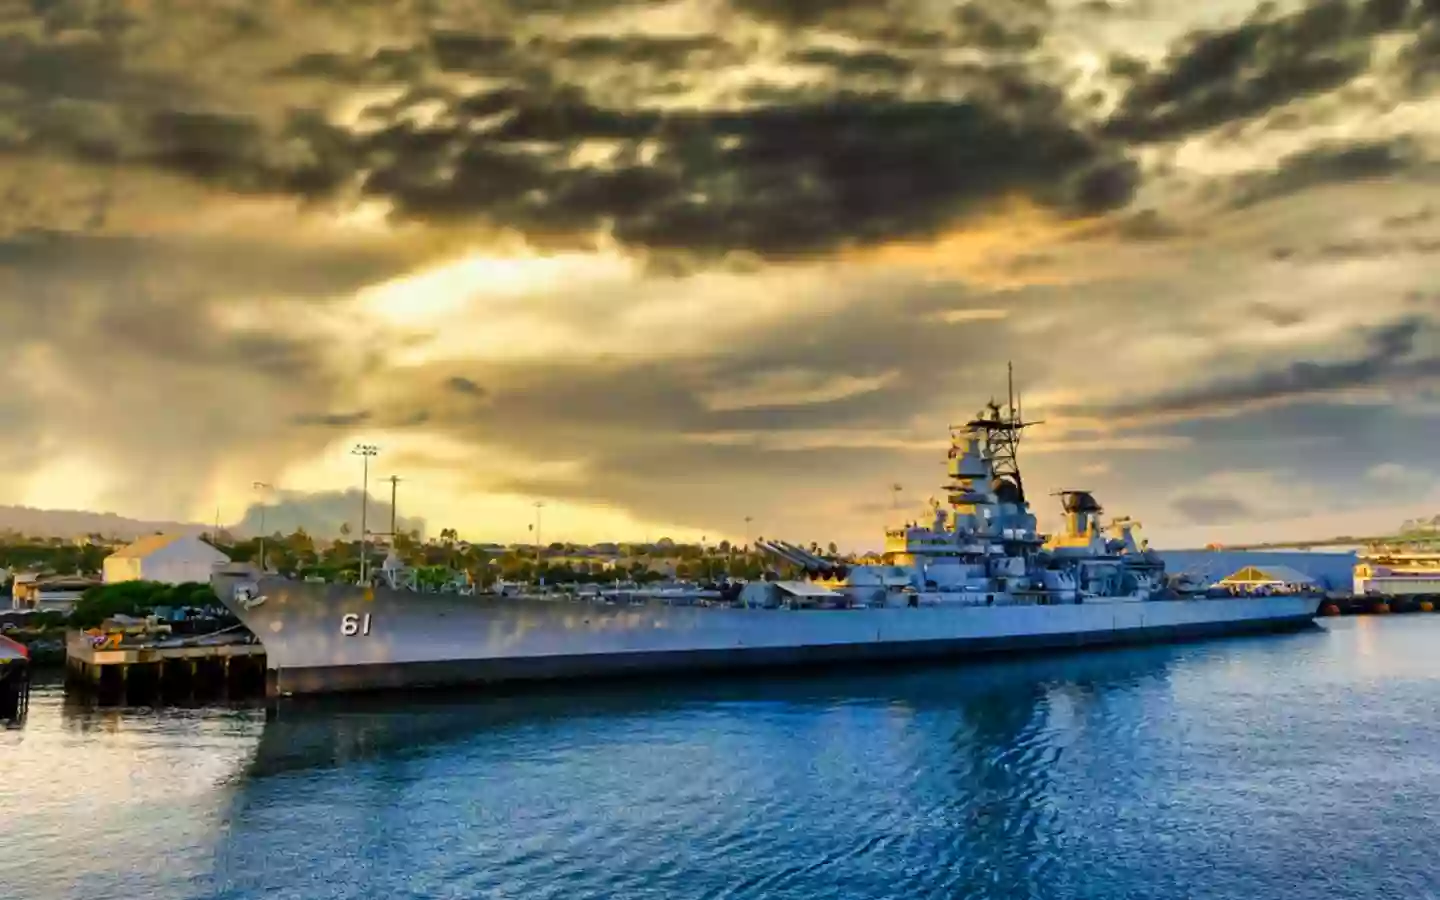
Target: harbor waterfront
<point>976,577</point>
<point>1295,765</point>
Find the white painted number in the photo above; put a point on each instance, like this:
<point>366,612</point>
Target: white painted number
<point>352,624</point>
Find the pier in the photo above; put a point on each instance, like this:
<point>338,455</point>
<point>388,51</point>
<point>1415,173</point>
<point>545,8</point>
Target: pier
<point>139,673</point>
<point>14,689</point>
<point>14,680</point>
<point>1357,605</point>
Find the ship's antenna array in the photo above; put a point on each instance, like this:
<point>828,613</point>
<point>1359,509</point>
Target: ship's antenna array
<point>1002,435</point>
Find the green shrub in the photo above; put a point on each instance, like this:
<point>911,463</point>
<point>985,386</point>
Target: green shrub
<point>136,598</point>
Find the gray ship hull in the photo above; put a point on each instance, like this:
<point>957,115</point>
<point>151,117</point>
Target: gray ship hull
<point>333,638</point>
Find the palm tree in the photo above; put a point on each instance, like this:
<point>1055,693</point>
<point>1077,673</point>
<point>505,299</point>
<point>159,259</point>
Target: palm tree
<point>448,537</point>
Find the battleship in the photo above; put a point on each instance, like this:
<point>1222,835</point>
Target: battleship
<point>977,577</point>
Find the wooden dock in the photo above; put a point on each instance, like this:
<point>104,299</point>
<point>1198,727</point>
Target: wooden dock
<point>138,672</point>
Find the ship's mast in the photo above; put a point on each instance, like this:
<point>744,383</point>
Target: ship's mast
<point>1002,431</point>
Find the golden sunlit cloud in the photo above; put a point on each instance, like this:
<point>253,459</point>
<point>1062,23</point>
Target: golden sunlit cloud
<point>793,387</point>
<point>448,482</point>
<point>654,263</point>
<point>1002,249</point>
<point>67,481</point>
<point>478,281</point>
<point>960,316</point>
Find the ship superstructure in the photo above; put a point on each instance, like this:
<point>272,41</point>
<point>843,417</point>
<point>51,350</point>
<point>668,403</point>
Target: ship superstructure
<point>977,577</point>
<point>1408,565</point>
<point>982,547</point>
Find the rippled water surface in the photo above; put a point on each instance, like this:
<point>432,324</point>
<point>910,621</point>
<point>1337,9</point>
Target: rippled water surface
<point>1299,766</point>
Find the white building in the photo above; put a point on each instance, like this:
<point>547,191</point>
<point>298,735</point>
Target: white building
<point>169,558</point>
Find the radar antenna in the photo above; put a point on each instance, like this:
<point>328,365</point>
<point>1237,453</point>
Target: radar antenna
<point>1002,434</point>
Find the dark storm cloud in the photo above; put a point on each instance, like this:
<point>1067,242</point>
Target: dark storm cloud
<point>1211,508</point>
<point>1420,62</point>
<point>1400,352</point>
<point>462,385</point>
<point>1419,216</point>
<point>789,177</point>
<point>75,97</point>
<point>639,49</point>
<point>1329,163</point>
<point>1279,316</point>
<point>1213,77</point>
<point>776,180</point>
<point>83,66</point>
<point>321,513</point>
<point>988,24</point>
<point>996,26</point>
<point>1143,226</point>
<point>307,156</point>
<point>1360,248</point>
<point>48,260</point>
<point>808,12</point>
<point>860,63</point>
<point>388,64</point>
<point>458,51</point>
<point>333,420</point>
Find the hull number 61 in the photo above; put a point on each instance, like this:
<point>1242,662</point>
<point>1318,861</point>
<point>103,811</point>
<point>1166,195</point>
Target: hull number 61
<point>352,624</point>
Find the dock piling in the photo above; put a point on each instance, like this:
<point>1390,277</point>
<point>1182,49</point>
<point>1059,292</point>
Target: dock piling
<point>139,674</point>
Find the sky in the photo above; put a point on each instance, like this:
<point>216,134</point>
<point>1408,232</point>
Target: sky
<point>721,268</point>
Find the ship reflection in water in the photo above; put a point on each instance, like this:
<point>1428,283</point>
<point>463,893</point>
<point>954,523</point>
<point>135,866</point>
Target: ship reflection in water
<point>1225,769</point>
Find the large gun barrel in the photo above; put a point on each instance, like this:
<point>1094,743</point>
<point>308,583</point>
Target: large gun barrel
<point>809,560</point>
<point>783,551</point>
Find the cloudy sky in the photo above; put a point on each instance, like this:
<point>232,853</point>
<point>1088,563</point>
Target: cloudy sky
<point>666,266</point>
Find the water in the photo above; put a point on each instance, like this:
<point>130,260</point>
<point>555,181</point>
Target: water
<point>1302,766</point>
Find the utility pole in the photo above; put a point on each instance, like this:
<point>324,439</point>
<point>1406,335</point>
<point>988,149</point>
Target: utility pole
<point>364,451</point>
<point>262,487</point>
<point>394,535</point>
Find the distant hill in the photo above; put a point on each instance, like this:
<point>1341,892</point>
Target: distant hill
<point>70,523</point>
<point>320,513</point>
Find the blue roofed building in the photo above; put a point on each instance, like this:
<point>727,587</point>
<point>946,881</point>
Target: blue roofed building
<point>1331,571</point>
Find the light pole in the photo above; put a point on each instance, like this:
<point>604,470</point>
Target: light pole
<point>364,451</point>
<point>262,487</point>
<point>539,505</point>
<point>394,484</point>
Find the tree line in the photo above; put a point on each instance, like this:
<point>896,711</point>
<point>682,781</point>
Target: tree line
<point>301,555</point>
<point>298,554</point>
